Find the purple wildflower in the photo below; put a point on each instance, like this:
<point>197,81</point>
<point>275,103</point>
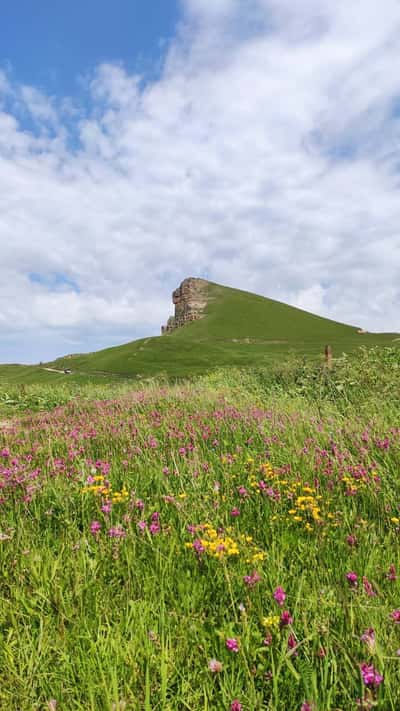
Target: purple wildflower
<point>116,532</point>
<point>395,615</point>
<point>280,596</point>
<point>352,578</point>
<point>95,528</point>
<point>232,644</point>
<point>286,618</point>
<point>370,676</point>
<point>252,580</point>
<point>368,587</point>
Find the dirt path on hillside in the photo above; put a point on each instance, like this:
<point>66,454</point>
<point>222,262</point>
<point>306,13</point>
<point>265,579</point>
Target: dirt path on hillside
<point>54,370</point>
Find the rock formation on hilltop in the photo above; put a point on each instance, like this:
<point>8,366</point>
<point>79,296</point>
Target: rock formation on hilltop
<point>190,300</point>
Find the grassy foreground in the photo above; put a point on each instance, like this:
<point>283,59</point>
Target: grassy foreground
<point>227,544</point>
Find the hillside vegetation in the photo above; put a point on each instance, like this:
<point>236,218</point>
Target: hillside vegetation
<point>238,329</point>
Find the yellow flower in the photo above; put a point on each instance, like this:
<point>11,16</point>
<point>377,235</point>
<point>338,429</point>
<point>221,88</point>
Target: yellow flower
<point>271,621</point>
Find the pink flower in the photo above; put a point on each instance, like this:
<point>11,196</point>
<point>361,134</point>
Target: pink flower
<point>370,676</point>
<point>198,546</point>
<point>368,587</point>
<point>286,618</point>
<point>95,528</point>
<point>106,507</point>
<point>395,615</point>
<point>391,574</point>
<point>215,666</point>
<point>116,532</point>
<point>306,706</point>
<point>267,640</point>
<point>280,596</point>
<point>142,525</point>
<point>232,644</point>
<point>252,580</point>
<point>236,705</point>
<point>351,540</point>
<point>352,578</point>
<point>369,638</point>
<point>292,644</point>
<point>235,512</point>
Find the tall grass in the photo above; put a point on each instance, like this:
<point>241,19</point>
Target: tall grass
<point>143,536</point>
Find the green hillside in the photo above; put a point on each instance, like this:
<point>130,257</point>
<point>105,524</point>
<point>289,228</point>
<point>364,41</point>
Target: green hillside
<point>238,328</point>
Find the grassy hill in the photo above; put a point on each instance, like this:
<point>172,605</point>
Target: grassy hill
<point>238,328</point>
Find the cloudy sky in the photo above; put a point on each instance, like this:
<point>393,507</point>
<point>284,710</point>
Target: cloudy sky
<point>252,142</point>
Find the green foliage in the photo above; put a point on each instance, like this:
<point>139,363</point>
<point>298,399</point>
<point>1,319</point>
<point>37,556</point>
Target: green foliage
<point>239,329</point>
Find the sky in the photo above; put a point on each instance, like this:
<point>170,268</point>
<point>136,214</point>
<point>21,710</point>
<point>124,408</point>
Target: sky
<point>251,142</point>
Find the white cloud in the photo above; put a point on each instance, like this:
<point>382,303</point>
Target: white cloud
<point>265,156</point>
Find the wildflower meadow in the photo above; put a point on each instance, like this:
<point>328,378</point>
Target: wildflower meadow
<point>206,546</point>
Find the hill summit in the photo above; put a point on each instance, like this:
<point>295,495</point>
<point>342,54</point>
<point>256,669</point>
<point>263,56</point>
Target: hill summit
<point>213,325</point>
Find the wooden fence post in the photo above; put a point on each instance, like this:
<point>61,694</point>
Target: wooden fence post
<point>328,356</point>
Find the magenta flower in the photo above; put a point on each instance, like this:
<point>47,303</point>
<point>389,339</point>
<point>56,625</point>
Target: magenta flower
<point>292,644</point>
<point>306,706</point>
<point>395,615</point>
<point>370,676</point>
<point>280,596</point>
<point>352,578</point>
<point>95,528</point>
<point>235,512</point>
<point>142,525</point>
<point>232,644</point>
<point>391,574</point>
<point>286,618</point>
<point>106,507</point>
<point>368,587</point>
<point>236,705</point>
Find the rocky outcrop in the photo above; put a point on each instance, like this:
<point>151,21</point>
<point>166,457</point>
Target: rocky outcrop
<point>190,300</point>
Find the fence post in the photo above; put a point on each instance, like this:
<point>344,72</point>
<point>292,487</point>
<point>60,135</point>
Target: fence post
<point>328,356</point>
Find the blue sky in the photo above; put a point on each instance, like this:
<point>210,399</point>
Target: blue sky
<point>51,43</point>
<point>253,142</point>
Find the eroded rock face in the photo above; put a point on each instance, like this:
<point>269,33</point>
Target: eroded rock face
<point>190,300</point>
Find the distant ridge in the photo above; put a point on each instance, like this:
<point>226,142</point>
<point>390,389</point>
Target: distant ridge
<point>213,325</point>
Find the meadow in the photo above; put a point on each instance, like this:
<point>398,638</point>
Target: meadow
<point>222,544</point>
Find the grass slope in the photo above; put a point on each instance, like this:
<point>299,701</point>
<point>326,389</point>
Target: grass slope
<point>239,328</point>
